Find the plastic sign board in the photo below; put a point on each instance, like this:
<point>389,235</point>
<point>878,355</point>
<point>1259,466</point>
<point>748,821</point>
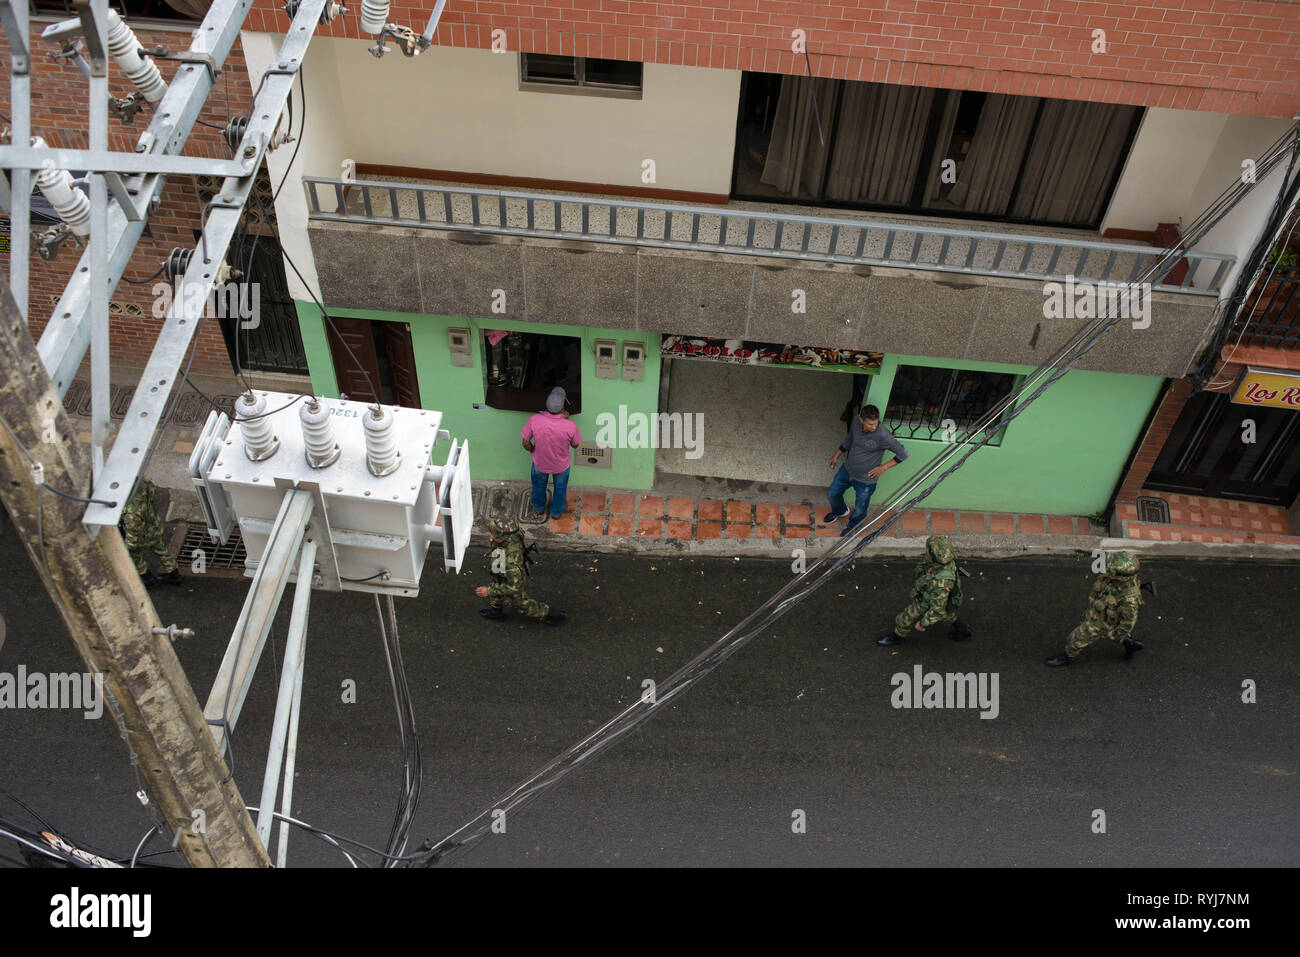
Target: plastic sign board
<point>1268,388</point>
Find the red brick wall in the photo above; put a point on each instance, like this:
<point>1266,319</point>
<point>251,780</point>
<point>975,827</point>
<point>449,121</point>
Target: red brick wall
<point>59,97</point>
<point>1227,56</point>
<point>1162,424</point>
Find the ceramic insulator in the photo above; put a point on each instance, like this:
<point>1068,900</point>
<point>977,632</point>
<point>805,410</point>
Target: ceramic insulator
<point>381,447</point>
<point>374,15</point>
<point>259,440</point>
<point>125,48</point>
<point>72,205</point>
<point>318,435</point>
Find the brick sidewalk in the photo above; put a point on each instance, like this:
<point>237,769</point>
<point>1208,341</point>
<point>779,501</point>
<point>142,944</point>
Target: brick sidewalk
<point>1196,518</point>
<point>631,514</point>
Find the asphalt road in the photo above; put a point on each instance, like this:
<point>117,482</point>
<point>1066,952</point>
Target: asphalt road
<point>800,720</point>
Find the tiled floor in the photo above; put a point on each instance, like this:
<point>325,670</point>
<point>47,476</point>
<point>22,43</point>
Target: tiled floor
<point>618,514</point>
<point>1196,518</point>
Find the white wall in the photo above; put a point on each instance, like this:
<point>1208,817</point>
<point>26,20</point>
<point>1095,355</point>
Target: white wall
<point>1181,161</point>
<point>1243,137</point>
<point>324,141</point>
<point>1168,156</point>
<point>462,110</point>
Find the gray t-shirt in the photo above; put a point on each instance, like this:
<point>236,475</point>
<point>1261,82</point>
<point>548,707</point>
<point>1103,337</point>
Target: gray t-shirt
<point>867,449</point>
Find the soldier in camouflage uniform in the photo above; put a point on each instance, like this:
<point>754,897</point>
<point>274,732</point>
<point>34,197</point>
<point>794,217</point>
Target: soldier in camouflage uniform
<point>936,595</point>
<point>143,528</point>
<point>508,587</point>
<point>1112,610</point>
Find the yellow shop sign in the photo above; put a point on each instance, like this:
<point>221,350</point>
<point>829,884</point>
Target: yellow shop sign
<point>1278,390</point>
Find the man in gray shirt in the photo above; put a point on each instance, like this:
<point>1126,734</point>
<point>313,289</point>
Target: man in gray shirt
<point>866,446</point>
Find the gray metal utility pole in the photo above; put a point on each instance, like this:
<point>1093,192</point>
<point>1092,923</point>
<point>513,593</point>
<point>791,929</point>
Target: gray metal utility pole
<point>94,585</point>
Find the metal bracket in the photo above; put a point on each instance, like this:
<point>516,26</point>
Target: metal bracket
<point>160,53</point>
<point>127,107</point>
<point>19,57</point>
<point>96,56</point>
<point>52,239</point>
<point>318,528</point>
<point>123,196</point>
<point>135,164</point>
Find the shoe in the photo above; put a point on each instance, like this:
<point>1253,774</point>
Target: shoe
<point>148,580</point>
<point>1061,659</point>
<point>890,639</point>
<point>959,631</point>
<point>1131,647</point>
<point>173,577</point>
<point>555,618</point>
<point>492,614</point>
<point>832,517</point>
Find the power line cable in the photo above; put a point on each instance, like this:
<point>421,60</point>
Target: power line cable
<point>838,555</point>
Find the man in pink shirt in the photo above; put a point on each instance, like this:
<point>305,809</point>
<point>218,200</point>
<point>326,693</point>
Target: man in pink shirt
<point>548,436</point>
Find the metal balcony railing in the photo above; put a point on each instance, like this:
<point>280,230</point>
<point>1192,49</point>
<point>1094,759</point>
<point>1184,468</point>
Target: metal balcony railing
<point>754,233</point>
<point>1270,316</point>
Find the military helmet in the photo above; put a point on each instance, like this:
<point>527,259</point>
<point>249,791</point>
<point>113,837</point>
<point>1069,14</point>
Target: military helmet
<point>1121,564</point>
<point>502,528</point>
<point>939,549</point>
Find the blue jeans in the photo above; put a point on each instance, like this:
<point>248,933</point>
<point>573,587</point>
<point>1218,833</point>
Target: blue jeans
<point>862,497</point>
<point>540,481</point>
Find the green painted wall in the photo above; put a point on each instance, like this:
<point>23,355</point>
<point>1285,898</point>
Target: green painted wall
<point>493,434</point>
<point>1063,455</point>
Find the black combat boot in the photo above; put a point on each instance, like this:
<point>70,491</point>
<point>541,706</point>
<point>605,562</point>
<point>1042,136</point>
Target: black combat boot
<point>1131,647</point>
<point>555,618</point>
<point>959,631</point>
<point>173,577</point>
<point>492,614</point>
<point>890,639</point>
<point>1059,660</point>
<point>148,580</point>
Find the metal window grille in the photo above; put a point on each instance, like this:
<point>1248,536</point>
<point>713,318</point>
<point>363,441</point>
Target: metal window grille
<point>943,404</point>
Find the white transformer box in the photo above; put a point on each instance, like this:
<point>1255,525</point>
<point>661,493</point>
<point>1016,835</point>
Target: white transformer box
<point>379,499</point>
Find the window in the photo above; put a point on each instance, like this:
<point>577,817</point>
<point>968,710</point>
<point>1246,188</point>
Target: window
<point>568,74</point>
<point>522,368</point>
<point>191,10</point>
<point>949,152</point>
<point>923,399</point>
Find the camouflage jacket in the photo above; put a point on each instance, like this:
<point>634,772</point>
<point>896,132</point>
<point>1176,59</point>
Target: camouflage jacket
<point>1115,602</point>
<point>140,518</point>
<point>509,584</point>
<point>937,590</point>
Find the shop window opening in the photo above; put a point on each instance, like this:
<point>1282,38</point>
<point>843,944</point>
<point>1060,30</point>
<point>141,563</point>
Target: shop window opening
<point>523,367</point>
<point>943,404</point>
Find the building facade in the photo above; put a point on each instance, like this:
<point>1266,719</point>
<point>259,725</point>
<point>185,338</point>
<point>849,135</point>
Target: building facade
<point>729,221</point>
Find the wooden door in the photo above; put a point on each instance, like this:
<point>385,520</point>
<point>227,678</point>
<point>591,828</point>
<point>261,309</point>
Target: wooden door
<point>401,363</point>
<point>352,345</point>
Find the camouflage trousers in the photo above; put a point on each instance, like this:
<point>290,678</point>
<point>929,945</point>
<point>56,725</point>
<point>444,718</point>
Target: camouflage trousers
<point>1088,631</point>
<point>528,607</point>
<point>910,615</point>
<point>137,544</point>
